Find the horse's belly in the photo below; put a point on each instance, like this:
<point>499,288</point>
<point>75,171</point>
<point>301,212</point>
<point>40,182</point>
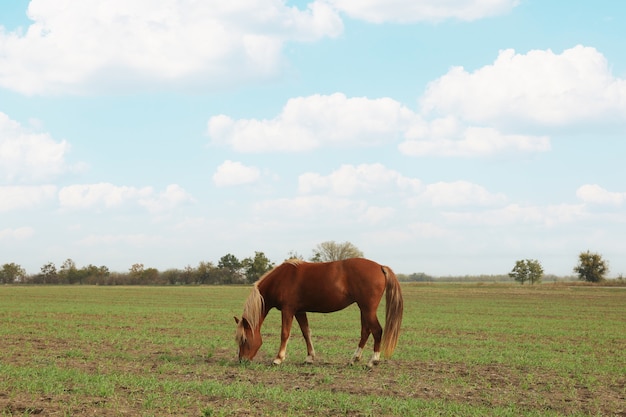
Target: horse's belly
<point>326,307</point>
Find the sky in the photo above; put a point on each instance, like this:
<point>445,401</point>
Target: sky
<point>450,138</point>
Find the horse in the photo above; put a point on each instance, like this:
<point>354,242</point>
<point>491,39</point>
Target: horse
<point>296,287</point>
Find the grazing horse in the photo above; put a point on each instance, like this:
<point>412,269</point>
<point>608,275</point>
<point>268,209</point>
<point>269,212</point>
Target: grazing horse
<point>296,287</point>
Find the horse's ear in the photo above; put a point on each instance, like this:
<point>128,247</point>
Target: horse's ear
<point>236,319</point>
<point>245,323</point>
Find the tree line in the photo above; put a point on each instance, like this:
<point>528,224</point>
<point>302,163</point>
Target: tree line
<point>229,269</point>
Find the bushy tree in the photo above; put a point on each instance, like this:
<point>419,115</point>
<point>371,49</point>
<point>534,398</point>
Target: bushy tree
<point>527,270</point>
<point>12,273</point>
<point>135,273</point>
<point>591,267</point>
<point>205,273</point>
<point>230,269</point>
<point>255,267</point>
<point>48,274</point>
<point>171,276</point>
<point>68,274</point>
<point>187,275</point>
<point>92,274</point>
<point>332,251</point>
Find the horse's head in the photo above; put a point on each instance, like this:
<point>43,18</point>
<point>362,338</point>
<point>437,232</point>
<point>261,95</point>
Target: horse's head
<point>248,339</point>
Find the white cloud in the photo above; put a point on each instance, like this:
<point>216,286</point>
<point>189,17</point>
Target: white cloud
<point>235,173</point>
<point>29,156</point>
<point>457,140</point>
<point>459,193</point>
<point>593,193</point>
<point>379,11</point>
<point>173,196</point>
<point>307,123</point>
<point>539,87</point>
<point>349,180</point>
<point>91,45</point>
<point>20,233</point>
<point>107,195</point>
<point>23,197</point>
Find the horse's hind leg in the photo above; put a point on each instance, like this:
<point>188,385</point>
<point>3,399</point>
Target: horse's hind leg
<point>303,321</point>
<point>377,333</point>
<point>369,324</point>
<point>365,334</point>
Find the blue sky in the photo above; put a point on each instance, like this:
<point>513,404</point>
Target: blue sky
<point>449,140</point>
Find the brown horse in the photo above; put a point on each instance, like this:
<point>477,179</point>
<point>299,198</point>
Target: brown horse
<point>297,287</point>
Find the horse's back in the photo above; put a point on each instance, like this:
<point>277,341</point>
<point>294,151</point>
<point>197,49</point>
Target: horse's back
<point>331,286</point>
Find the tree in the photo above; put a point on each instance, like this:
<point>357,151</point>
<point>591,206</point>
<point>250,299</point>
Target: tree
<point>135,273</point>
<point>255,267</point>
<point>150,276</point>
<point>332,251</point>
<point>49,273</point>
<point>527,270</point>
<point>187,276</point>
<point>92,274</point>
<point>230,268</point>
<point>68,273</point>
<point>204,272</point>
<point>591,267</point>
<point>171,276</point>
<point>12,273</point>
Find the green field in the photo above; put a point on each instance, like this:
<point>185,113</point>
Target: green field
<point>467,350</point>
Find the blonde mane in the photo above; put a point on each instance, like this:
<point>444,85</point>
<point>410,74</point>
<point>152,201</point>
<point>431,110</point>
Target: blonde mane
<point>252,313</point>
<point>255,304</point>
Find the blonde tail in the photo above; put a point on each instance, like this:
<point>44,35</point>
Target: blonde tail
<point>394,309</point>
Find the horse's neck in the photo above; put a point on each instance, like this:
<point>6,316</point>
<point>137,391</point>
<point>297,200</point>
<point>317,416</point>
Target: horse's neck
<point>267,300</point>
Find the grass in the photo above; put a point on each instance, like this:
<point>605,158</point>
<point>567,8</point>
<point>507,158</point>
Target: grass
<point>499,350</point>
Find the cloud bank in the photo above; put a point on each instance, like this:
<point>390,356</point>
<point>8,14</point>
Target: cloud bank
<point>95,46</point>
<point>490,111</point>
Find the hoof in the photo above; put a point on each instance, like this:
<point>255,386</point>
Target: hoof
<point>309,360</point>
<point>374,361</point>
<point>277,362</point>
<point>371,364</point>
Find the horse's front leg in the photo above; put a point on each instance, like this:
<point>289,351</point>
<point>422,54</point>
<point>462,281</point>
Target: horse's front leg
<point>303,321</point>
<point>287,319</point>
